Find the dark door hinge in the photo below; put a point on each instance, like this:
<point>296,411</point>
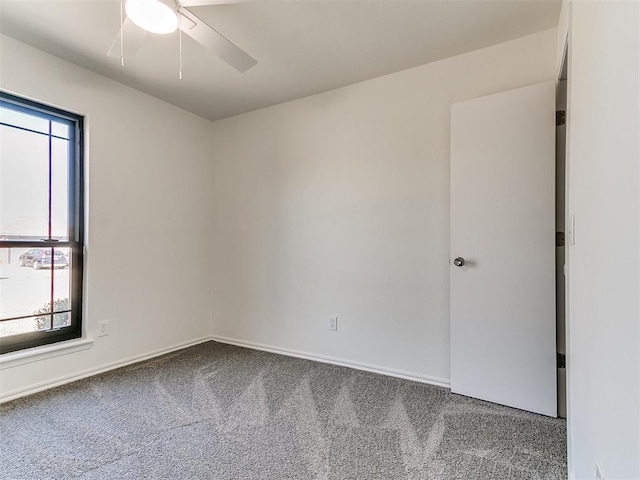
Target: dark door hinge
<point>559,239</point>
<point>560,118</point>
<point>562,360</point>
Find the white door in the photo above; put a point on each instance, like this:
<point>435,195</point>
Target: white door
<point>503,346</point>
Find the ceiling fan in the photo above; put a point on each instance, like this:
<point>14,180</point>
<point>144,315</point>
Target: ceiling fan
<point>166,16</point>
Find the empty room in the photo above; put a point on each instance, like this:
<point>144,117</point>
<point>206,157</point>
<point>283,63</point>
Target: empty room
<point>320,239</point>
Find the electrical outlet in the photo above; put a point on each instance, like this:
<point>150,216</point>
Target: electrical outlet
<point>103,328</point>
<point>332,324</point>
<point>599,474</point>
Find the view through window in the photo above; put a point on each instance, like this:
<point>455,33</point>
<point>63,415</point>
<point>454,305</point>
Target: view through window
<point>40,224</point>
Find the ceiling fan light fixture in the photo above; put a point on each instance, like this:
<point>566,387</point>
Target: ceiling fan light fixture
<point>155,16</point>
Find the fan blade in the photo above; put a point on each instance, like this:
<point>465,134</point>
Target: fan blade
<point>208,37</point>
<point>202,3</point>
<point>133,38</point>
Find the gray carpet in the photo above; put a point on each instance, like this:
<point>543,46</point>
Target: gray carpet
<point>215,411</point>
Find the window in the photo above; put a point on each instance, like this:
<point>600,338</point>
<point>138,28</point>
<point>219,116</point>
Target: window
<point>41,224</point>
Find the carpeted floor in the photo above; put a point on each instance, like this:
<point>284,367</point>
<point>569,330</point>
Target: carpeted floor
<point>216,411</point>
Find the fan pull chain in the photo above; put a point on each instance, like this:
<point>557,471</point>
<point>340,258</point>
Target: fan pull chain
<point>180,36</point>
<point>121,34</point>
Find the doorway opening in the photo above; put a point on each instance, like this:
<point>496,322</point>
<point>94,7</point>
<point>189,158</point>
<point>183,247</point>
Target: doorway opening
<point>561,148</point>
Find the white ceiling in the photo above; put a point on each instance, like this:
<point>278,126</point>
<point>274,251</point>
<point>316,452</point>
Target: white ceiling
<point>302,47</point>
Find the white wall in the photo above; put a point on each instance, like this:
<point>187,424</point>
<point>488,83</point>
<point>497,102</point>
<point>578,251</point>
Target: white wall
<point>604,166</point>
<point>339,204</point>
<point>333,204</point>
<point>148,211</point>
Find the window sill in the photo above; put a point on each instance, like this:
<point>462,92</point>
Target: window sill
<point>36,354</point>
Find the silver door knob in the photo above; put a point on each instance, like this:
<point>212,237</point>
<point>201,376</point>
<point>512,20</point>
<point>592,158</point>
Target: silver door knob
<point>458,261</point>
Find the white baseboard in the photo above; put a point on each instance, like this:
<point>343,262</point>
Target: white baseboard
<point>416,377</point>
<point>56,382</point>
